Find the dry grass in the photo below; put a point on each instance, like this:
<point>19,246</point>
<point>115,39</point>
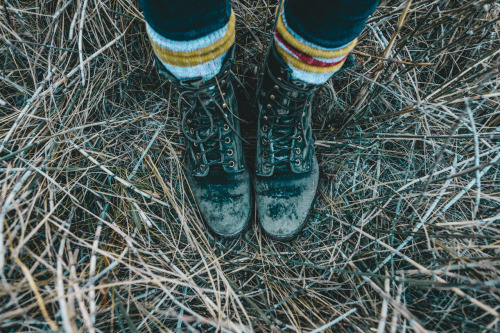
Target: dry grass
<point>99,232</point>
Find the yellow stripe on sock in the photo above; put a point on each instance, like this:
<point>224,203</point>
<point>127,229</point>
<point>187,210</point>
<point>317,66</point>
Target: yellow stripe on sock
<point>201,56</point>
<point>303,66</point>
<point>287,36</point>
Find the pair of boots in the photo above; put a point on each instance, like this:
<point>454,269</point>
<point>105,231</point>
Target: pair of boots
<point>286,172</point>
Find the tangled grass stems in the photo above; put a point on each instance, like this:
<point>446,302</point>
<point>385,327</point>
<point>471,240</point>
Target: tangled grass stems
<point>99,230</point>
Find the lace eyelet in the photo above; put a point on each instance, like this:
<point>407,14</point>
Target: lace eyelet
<point>265,154</point>
<point>223,82</point>
<point>265,118</point>
<point>264,142</point>
<point>303,114</point>
<point>198,156</point>
<point>231,164</point>
<point>191,130</point>
<point>269,106</point>
<point>264,128</point>
<point>203,166</point>
<point>230,152</point>
<point>299,139</point>
<point>189,121</point>
<point>227,140</point>
<point>297,151</point>
<point>195,144</point>
<point>226,127</point>
<point>272,97</point>
<point>299,127</point>
<point>276,87</point>
<point>224,105</point>
<point>297,162</point>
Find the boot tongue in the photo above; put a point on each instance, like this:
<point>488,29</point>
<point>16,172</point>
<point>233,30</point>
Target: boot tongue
<point>214,154</point>
<point>282,169</point>
<point>195,83</point>
<point>282,112</point>
<point>285,128</point>
<point>206,130</point>
<point>212,143</point>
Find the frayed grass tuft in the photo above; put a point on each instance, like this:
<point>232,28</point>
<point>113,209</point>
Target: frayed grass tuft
<point>99,231</point>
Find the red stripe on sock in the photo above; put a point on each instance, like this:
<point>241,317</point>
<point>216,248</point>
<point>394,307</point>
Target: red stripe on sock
<point>306,58</point>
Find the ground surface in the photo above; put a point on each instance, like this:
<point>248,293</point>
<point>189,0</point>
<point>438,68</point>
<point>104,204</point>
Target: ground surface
<point>99,232</point>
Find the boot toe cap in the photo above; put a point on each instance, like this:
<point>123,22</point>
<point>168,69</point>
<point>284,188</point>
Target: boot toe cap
<point>226,216</point>
<point>225,202</point>
<point>284,204</point>
<point>283,218</point>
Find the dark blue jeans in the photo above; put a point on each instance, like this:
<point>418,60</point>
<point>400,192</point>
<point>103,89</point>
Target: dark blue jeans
<point>328,23</point>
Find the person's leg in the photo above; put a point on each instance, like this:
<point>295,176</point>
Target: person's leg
<point>190,38</point>
<point>193,42</point>
<point>315,37</point>
<point>311,43</point>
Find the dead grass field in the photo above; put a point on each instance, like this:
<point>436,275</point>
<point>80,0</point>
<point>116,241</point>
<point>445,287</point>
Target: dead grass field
<point>99,231</point>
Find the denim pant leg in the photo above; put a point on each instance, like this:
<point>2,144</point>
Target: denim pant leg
<point>328,23</point>
<point>186,19</point>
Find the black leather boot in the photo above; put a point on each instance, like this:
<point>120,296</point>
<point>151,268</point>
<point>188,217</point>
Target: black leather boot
<point>286,166</point>
<point>216,168</point>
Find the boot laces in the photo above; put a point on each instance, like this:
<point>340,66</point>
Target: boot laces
<point>285,123</point>
<point>203,119</point>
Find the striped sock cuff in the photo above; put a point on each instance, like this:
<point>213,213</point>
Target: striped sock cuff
<point>201,57</point>
<point>309,62</point>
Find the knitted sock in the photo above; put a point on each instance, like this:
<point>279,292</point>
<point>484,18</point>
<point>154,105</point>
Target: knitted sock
<point>201,57</point>
<point>309,62</point>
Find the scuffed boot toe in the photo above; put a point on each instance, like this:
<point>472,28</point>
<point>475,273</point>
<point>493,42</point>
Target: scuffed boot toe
<point>226,206</point>
<point>281,218</point>
<point>285,201</point>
